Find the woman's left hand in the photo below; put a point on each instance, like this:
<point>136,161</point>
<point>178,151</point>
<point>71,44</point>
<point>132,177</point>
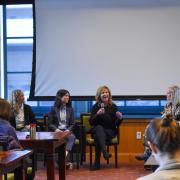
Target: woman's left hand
<point>119,115</point>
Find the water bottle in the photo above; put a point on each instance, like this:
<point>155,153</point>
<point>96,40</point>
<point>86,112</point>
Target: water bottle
<point>33,131</point>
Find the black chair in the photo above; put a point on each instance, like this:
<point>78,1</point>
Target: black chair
<point>90,141</point>
<point>78,150</point>
<point>42,123</point>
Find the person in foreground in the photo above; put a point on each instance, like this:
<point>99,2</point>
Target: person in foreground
<point>172,107</point>
<point>22,114</point>
<point>163,136</point>
<point>104,119</point>
<point>61,118</point>
<point>6,130</point>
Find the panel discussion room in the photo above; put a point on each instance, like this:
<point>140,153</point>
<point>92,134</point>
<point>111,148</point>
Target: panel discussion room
<point>89,89</point>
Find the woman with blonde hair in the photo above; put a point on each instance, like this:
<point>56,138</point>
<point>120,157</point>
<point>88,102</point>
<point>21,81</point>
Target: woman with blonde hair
<point>22,114</point>
<point>104,119</point>
<point>172,107</point>
<point>173,102</point>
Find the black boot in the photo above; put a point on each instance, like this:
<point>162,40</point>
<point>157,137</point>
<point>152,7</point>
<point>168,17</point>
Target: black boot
<point>142,157</point>
<point>95,166</point>
<point>106,155</point>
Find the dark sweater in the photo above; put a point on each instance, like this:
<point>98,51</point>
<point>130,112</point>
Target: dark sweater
<point>108,119</point>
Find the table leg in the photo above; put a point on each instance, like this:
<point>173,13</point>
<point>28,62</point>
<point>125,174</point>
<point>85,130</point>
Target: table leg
<point>50,166</point>
<point>19,173</point>
<point>62,162</point>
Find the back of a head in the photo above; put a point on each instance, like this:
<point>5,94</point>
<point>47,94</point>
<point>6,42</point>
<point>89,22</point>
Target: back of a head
<point>165,134</point>
<point>5,109</point>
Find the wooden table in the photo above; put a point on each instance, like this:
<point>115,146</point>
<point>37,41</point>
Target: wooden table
<point>13,161</point>
<point>48,141</point>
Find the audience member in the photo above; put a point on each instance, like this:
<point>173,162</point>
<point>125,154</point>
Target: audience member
<point>61,118</point>
<point>104,118</point>
<point>6,130</point>
<point>163,137</point>
<point>22,114</point>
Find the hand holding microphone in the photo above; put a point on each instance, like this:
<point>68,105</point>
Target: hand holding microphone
<point>101,110</point>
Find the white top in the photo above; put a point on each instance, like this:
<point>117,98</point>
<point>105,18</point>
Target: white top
<point>20,118</point>
<point>62,122</point>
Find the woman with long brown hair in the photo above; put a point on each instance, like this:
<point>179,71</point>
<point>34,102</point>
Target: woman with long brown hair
<point>61,118</point>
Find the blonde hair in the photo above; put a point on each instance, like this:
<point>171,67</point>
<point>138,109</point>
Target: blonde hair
<point>175,94</point>
<point>98,94</point>
<point>14,100</point>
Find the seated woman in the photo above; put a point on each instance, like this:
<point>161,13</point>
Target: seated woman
<point>5,128</point>
<point>172,107</point>
<point>61,117</point>
<point>163,136</point>
<point>104,118</point>
<point>22,114</point>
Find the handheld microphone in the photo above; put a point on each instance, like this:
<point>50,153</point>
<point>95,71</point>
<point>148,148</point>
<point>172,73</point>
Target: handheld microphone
<point>102,105</point>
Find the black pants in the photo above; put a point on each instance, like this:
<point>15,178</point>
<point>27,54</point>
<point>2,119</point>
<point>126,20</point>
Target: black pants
<point>101,136</point>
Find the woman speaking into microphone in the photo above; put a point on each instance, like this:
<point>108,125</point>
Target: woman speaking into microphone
<point>104,119</point>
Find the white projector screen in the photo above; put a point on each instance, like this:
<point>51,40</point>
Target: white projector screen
<point>81,45</point>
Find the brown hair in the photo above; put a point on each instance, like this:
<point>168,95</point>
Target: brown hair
<point>98,94</point>
<point>165,134</point>
<point>60,93</point>
<point>5,109</point>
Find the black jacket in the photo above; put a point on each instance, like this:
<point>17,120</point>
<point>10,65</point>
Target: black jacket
<point>29,116</point>
<point>54,118</point>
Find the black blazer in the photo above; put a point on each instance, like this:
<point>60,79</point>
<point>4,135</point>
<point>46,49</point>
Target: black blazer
<point>54,118</point>
<point>29,116</point>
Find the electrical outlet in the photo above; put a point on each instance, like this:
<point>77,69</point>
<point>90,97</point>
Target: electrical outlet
<point>138,135</point>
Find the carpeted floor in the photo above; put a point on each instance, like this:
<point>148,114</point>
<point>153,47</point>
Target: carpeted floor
<point>107,172</point>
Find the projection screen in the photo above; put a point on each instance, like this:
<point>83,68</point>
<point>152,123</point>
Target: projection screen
<point>81,45</point>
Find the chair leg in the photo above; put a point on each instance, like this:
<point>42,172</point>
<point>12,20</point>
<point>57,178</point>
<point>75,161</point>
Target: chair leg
<point>116,156</point>
<point>77,160</point>
<point>5,176</point>
<point>108,152</point>
<point>90,155</point>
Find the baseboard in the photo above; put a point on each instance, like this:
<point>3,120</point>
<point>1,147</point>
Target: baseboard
<point>123,158</point>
